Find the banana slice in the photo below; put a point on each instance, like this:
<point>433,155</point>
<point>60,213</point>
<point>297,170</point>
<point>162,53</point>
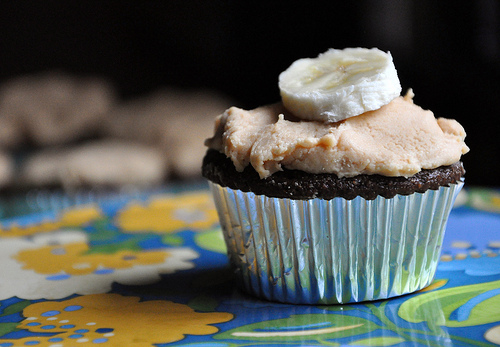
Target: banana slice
<point>339,84</point>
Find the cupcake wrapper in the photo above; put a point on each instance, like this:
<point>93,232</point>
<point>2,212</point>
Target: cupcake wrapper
<point>333,251</point>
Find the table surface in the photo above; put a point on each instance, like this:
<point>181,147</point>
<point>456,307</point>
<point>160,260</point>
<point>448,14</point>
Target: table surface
<point>149,268</point>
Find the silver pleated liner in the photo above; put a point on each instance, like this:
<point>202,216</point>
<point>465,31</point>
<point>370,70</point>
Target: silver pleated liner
<point>333,251</point>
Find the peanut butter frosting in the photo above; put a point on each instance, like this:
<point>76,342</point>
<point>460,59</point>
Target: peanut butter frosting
<point>398,139</point>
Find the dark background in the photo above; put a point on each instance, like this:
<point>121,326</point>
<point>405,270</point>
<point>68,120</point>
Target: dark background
<point>447,51</point>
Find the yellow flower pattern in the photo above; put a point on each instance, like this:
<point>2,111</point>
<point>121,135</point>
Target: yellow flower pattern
<point>74,259</point>
<point>105,319</point>
<point>75,217</point>
<point>168,214</point>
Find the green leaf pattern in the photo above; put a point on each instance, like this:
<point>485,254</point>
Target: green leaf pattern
<point>370,324</point>
<point>307,327</point>
<point>448,301</point>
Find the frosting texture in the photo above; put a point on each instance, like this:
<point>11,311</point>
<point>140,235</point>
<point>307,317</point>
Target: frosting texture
<point>398,139</point>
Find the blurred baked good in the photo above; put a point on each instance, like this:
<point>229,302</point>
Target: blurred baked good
<point>55,108</point>
<point>102,163</point>
<point>78,133</point>
<point>6,168</point>
<point>175,121</point>
<point>10,131</point>
<point>43,168</point>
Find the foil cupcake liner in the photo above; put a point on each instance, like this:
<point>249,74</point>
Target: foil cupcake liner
<point>333,251</point>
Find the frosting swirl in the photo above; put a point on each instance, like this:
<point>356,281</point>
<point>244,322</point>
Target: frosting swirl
<point>398,139</point>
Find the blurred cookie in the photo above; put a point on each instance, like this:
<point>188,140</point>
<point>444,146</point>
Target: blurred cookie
<point>176,121</point>
<point>189,126</point>
<point>6,169</point>
<point>114,163</point>
<point>55,108</point>
<point>99,163</point>
<point>11,134</point>
<point>140,119</point>
<point>43,168</point>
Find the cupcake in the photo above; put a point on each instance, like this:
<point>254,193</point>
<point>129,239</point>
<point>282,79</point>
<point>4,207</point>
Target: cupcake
<point>339,193</point>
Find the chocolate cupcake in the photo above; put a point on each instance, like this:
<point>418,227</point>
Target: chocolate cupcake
<point>300,185</point>
<point>335,207</point>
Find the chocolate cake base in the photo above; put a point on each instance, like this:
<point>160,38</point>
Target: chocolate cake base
<point>299,185</point>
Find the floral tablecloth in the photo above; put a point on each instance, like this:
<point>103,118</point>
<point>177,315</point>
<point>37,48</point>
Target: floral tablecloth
<point>150,269</point>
